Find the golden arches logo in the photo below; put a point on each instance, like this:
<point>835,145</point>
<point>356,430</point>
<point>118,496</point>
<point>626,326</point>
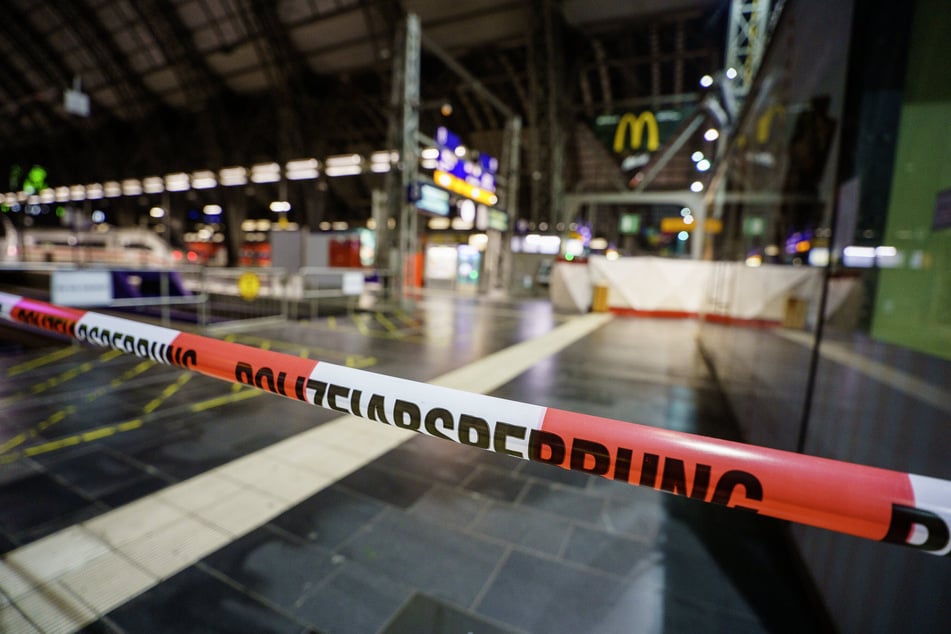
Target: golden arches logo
<point>764,124</point>
<point>633,126</point>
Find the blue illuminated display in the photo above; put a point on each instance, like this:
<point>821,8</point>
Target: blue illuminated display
<point>480,172</point>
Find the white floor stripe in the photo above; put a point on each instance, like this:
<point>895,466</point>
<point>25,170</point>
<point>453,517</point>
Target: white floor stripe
<point>69,579</point>
<point>893,378</point>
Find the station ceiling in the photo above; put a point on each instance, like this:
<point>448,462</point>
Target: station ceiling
<point>186,84</point>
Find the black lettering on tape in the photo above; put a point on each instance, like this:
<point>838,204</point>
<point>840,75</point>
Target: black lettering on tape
<point>701,482</point>
<point>406,415</point>
<point>622,466</point>
<point>303,383</point>
<point>264,379</point>
<point>334,392</point>
<point>674,479</point>
<point>905,518</point>
<point>319,388</point>
<point>376,409</point>
<point>442,416</point>
<point>281,388</point>
<point>355,402</point>
<point>47,322</point>
<point>545,446</point>
<point>244,373</point>
<point>729,481</point>
<point>189,358</point>
<point>649,470</point>
<point>469,424</point>
<point>582,449</point>
<point>503,431</point>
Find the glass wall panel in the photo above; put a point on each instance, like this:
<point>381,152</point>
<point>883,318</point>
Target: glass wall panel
<point>840,167</point>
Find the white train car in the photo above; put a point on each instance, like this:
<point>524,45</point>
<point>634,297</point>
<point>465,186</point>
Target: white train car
<point>9,241</point>
<point>133,246</point>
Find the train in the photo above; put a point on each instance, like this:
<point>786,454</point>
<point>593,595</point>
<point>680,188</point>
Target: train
<point>103,245</point>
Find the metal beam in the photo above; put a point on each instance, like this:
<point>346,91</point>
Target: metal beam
<point>160,17</point>
<point>670,149</point>
<point>470,79</point>
<point>108,56</point>
<point>746,40</point>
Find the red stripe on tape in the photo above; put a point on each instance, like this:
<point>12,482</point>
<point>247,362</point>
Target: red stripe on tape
<point>279,373</point>
<point>58,319</point>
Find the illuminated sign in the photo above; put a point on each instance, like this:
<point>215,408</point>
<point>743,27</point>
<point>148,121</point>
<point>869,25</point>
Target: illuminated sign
<point>676,224</point>
<point>433,200</point>
<point>478,170</point>
<point>461,187</point>
<point>633,136</point>
<point>498,220</point>
<point>633,126</point>
<point>629,223</point>
<point>764,123</point>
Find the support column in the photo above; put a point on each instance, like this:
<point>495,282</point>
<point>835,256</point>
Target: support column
<point>409,156</point>
<point>508,198</point>
<point>403,130</point>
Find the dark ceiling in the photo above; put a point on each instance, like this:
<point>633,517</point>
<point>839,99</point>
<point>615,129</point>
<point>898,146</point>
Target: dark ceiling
<point>190,84</point>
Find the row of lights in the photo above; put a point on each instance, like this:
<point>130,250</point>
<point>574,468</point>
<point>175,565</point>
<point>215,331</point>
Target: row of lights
<point>298,169</point>
<point>707,80</point>
<point>711,134</point>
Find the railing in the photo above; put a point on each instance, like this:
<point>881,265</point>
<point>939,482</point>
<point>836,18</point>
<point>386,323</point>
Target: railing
<point>161,292</point>
<point>219,299</point>
<point>242,297</point>
<point>313,284</point>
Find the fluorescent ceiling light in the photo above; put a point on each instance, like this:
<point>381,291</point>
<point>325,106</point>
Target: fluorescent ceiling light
<point>230,176</point>
<point>344,160</point>
<point>131,187</point>
<point>265,173</point>
<point>343,170</point>
<point>94,191</point>
<point>203,179</point>
<point>177,182</point>
<point>112,189</point>
<point>153,185</point>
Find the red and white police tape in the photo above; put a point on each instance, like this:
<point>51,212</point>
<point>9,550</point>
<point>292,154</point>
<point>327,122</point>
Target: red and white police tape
<point>865,501</point>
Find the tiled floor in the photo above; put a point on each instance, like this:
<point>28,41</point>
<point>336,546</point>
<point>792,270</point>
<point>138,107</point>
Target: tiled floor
<point>225,537</point>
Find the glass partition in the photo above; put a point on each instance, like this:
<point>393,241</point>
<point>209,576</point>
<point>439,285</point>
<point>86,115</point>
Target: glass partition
<point>835,198</point>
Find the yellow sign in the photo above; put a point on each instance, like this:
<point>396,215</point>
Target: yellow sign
<point>677,224</point>
<point>764,124</point>
<point>633,126</point>
<point>248,285</point>
<point>461,187</point>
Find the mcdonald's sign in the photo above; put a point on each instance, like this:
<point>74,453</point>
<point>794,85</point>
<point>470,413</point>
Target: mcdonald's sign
<point>764,123</point>
<point>631,127</point>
